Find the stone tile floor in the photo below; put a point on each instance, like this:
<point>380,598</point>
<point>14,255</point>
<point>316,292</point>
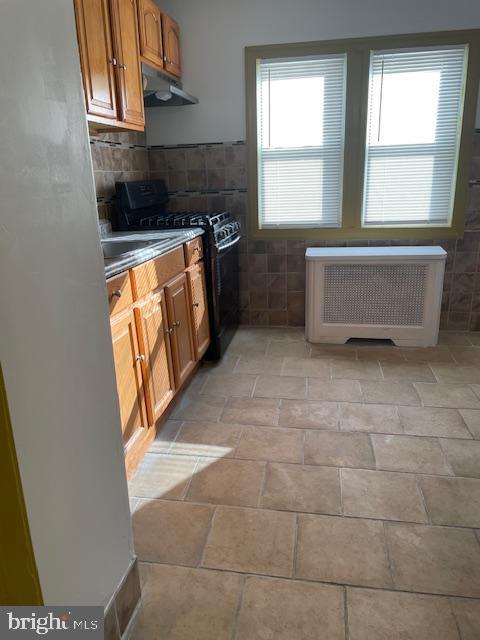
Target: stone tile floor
<point>305,492</point>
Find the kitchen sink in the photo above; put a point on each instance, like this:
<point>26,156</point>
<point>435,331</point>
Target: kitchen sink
<point>117,248</point>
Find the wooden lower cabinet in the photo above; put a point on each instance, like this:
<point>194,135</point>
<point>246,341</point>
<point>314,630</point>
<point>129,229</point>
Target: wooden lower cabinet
<point>128,373</point>
<point>160,330</point>
<point>180,319</point>
<point>153,337</point>
<point>198,303</point>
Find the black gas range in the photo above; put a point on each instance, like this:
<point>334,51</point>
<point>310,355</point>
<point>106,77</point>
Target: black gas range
<point>143,206</point>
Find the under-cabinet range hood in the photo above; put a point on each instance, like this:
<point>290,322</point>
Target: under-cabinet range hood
<point>161,91</point>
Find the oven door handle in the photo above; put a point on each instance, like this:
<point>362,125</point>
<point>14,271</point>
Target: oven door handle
<point>221,247</point>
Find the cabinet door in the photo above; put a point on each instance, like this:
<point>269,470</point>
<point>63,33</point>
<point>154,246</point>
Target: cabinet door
<point>154,341</point>
<point>150,31</point>
<point>180,320</point>
<point>96,57</point>
<point>171,46</point>
<point>198,302</point>
<point>129,375</point>
<point>125,38</point>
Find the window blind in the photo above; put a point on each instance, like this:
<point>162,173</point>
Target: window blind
<point>413,128</point>
<point>300,125</point>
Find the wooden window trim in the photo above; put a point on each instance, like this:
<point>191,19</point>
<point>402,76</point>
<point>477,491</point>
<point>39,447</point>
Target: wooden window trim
<point>358,64</point>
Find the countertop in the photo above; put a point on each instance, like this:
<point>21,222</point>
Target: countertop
<point>175,238</point>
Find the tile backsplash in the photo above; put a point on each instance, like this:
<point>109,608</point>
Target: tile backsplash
<point>115,157</point>
<point>212,177</point>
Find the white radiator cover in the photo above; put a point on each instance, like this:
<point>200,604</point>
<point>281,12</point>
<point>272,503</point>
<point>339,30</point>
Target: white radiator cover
<point>375,292</point>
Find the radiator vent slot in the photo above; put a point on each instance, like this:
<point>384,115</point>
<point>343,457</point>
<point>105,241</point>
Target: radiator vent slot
<point>385,294</point>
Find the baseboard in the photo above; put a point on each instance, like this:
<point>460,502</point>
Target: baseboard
<point>123,606</point>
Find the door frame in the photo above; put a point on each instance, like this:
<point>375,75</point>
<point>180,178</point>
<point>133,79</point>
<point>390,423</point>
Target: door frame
<point>19,581</point>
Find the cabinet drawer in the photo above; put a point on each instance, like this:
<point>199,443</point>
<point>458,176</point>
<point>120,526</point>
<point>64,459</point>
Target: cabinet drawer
<point>193,251</point>
<point>119,293</point>
<point>154,273</point>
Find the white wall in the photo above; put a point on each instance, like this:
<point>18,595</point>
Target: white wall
<point>215,32</point>
<point>55,344</point>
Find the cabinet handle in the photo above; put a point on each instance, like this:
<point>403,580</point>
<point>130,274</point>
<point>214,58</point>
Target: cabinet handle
<point>141,358</point>
<point>113,61</point>
<point>122,66</point>
<point>116,294</point>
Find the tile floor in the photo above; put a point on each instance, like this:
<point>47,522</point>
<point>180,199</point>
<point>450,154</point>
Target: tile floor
<point>305,492</point>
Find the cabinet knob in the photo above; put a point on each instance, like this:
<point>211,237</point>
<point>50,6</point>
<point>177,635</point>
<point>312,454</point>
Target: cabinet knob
<point>122,66</point>
<point>113,61</point>
<point>141,358</point>
<point>116,294</point>
<point>177,323</point>
<point>169,331</point>
<point>196,304</point>
<point>197,249</point>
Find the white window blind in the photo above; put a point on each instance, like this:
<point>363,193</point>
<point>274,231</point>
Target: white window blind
<point>413,128</point>
<point>300,124</point>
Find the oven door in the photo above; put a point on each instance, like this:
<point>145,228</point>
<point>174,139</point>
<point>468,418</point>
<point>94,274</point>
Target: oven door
<point>225,300</point>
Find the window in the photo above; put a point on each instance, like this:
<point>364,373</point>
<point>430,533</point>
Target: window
<point>365,138</point>
<point>301,117</point>
<point>413,125</point>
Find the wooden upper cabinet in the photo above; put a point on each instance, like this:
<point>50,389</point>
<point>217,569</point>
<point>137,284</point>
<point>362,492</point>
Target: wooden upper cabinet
<point>180,321</point>
<point>198,301</point>
<point>150,32</point>
<point>96,57</point>
<point>128,373</point>
<point>125,36</point>
<point>154,341</point>
<point>171,46</point>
